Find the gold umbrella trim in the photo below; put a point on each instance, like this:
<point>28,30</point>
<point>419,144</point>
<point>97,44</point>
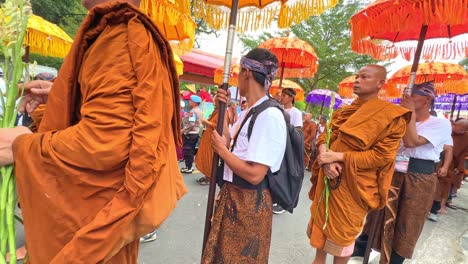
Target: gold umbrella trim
<point>46,38</point>
<point>254,17</point>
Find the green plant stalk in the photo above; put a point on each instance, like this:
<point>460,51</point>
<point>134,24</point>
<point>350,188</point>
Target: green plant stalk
<point>13,52</point>
<point>326,181</point>
<point>11,219</point>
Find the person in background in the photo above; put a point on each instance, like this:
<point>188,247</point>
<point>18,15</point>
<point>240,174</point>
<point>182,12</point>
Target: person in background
<point>191,132</point>
<point>310,129</point>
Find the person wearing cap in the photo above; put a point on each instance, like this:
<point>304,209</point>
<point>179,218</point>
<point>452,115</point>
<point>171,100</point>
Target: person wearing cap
<point>191,132</point>
<point>414,182</point>
<point>358,164</point>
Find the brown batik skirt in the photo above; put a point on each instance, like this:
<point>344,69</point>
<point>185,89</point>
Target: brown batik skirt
<point>401,221</point>
<point>241,227</point>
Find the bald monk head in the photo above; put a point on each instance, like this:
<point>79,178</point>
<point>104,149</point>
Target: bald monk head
<point>306,118</point>
<point>369,80</point>
<point>460,126</point>
<point>88,4</point>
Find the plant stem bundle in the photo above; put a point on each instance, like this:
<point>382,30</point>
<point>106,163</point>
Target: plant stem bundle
<point>14,16</point>
<point>326,181</point>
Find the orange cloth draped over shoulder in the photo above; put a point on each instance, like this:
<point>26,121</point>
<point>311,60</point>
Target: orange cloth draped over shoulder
<point>369,135</point>
<point>204,157</point>
<point>102,169</point>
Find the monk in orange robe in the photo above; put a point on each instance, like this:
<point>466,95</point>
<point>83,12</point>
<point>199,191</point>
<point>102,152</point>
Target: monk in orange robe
<point>363,146</point>
<point>101,171</point>
<point>309,129</point>
<point>204,157</point>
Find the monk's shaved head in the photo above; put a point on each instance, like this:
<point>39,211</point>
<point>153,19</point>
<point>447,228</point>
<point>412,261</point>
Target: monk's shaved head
<point>380,71</point>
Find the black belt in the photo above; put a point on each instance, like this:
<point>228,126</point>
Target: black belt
<point>421,166</point>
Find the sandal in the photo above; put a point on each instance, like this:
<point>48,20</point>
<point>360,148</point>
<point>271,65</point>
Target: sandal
<point>200,179</point>
<point>451,206</point>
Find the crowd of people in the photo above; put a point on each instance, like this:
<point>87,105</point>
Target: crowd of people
<point>105,171</point>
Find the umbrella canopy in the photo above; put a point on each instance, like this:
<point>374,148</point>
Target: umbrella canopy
<point>47,39</point>
<point>431,71</point>
<point>293,53</point>
<point>259,14</point>
<point>323,97</point>
<point>174,20</point>
<point>377,29</point>
<point>452,86</point>
<point>287,84</point>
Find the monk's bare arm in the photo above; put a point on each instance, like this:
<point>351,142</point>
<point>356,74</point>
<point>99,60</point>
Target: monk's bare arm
<point>411,139</point>
<point>448,156</point>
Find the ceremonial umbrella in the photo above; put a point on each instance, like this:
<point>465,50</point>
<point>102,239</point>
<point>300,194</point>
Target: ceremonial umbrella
<point>253,14</point>
<point>323,97</point>
<point>275,88</point>
<point>294,54</point>
<point>438,72</point>
<point>174,20</point>
<point>384,28</point>
<point>178,64</point>
<point>345,87</point>
<point>45,38</point>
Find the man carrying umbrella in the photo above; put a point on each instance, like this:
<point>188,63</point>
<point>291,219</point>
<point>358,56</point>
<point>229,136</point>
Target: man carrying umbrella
<point>359,165</point>
<point>101,171</point>
<point>414,181</point>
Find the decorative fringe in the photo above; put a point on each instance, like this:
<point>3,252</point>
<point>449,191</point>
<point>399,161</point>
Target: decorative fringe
<point>371,28</point>
<point>452,86</point>
<point>216,13</point>
<point>46,38</point>
<point>174,20</point>
<point>431,71</point>
<point>294,53</point>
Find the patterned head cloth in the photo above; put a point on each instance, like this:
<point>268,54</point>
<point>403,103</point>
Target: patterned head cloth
<point>267,68</point>
<point>425,89</point>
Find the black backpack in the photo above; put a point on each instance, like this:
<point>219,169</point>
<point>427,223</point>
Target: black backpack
<point>285,184</point>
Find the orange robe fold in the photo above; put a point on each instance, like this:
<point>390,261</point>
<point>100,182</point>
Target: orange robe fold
<point>309,129</point>
<point>204,157</point>
<point>369,135</point>
<point>102,169</point>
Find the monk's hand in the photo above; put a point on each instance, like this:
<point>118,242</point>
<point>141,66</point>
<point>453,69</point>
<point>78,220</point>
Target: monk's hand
<point>442,171</point>
<point>223,96</point>
<point>407,102</point>
<point>35,93</point>
<point>332,170</point>
<point>7,137</point>
<point>218,142</point>
<point>329,157</point>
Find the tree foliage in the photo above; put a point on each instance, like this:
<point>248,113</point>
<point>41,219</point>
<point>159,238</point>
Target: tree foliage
<point>329,34</point>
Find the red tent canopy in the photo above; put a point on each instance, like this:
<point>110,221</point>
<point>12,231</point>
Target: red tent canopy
<point>199,66</point>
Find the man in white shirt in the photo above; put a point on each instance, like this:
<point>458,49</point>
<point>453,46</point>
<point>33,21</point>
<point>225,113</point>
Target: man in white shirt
<point>241,226</point>
<point>287,100</point>
<point>414,181</point>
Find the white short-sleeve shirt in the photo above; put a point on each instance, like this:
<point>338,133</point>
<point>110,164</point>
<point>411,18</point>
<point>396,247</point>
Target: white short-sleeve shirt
<point>267,142</point>
<point>438,131</point>
<point>295,115</point>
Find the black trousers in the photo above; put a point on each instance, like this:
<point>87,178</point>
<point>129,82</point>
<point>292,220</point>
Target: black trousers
<point>190,142</point>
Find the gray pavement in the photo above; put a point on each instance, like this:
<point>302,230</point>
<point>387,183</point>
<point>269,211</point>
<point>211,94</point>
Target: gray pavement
<point>180,237</point>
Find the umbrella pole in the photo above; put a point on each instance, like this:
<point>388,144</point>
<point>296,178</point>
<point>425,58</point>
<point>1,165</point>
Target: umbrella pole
<point>453,107</point>
<point>321,107</point>
<point>459,108</point>
<point>220,123</point>
<point>281,76</point>
<point>417,56</point>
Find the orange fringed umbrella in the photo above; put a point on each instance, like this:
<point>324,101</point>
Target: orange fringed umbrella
<point>377,30</point>
<point>275,88</point>
<point>452,86</point>
<point>174,20</point>
<point>257,14</point>
<point>431,71</point>
<point>295,55</point>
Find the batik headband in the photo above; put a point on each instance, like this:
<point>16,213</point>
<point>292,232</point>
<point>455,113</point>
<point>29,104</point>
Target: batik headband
<point>267,68</point>
<point>425,89</point>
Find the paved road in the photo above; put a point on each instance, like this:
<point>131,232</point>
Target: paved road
<point>180,237</point>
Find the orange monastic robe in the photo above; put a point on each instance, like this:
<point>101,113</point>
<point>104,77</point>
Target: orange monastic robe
<point>310,129</point>
<point>204,157</point>
<point>102,169</point>
<point>369,135</point>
